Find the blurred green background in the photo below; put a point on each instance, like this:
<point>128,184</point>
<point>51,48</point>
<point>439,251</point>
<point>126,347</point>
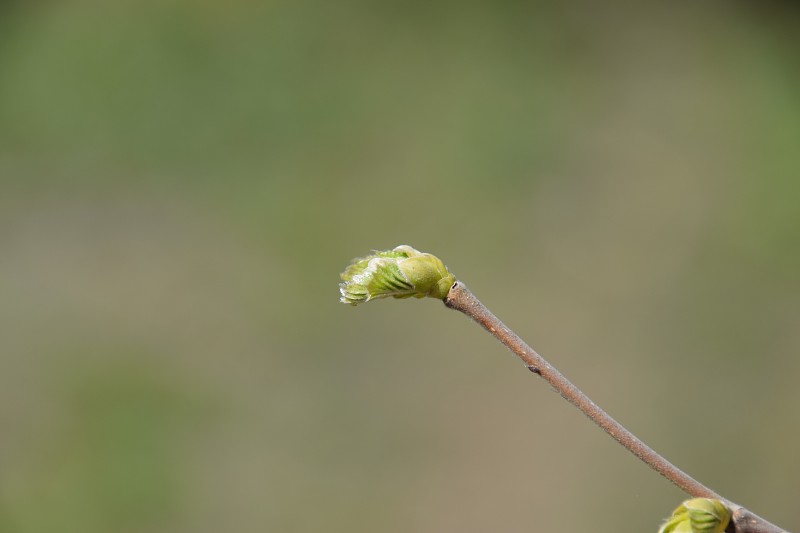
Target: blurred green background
<point>182,183</point>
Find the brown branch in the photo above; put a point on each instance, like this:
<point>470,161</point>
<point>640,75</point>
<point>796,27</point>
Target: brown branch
<point>461,299</point>
<point>743,521</point>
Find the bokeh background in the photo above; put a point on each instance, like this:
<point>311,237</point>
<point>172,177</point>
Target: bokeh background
<point>183,181</point>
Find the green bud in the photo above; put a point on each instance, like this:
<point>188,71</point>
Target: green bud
<point>698,515</point>
<point>401,273</point>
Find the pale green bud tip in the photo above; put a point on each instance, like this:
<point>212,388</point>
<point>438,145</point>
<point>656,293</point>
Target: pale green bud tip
<point>698,515</point>
<point>401,273</point>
